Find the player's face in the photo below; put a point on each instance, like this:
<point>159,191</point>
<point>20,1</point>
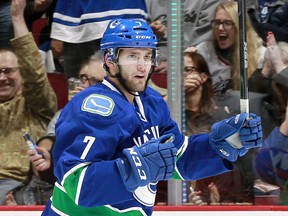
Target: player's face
<point>224,29</point>
<point>135,65</point>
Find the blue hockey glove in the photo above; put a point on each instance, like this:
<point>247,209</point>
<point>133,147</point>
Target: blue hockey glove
<point>151,162</point>
<point>234,136</point>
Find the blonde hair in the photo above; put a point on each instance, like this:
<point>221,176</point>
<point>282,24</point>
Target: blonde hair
<point>254,42</point>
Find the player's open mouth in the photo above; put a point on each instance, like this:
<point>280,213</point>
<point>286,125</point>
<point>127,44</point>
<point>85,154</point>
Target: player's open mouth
<point>139,77</point>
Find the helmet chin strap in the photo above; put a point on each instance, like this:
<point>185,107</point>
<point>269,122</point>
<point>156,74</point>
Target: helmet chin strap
<point>118,76</point>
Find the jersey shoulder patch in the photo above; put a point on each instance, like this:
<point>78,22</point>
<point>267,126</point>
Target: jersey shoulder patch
<point>98,104</point>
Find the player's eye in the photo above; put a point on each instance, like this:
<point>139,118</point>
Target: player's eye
<point>133,57</point>
<point>148,58</point>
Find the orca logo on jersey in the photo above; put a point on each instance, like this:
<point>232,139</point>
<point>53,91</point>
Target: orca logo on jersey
<point>146,194</point>
<point>114,24</point>
<point>98,104</point>
<point>138,164</point>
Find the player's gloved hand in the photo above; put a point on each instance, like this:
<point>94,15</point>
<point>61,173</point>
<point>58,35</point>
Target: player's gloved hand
<point>234,136</point>
<point>151,162</point>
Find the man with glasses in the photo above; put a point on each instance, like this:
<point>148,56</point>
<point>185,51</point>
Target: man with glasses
<point>91,72</point>
<point>9,73</point>
<point>27,102</point>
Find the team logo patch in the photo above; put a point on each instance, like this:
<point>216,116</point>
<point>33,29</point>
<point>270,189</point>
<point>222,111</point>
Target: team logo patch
<point>98,104</point>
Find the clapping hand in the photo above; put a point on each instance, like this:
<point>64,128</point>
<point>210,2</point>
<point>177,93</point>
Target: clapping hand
<point>273,60</point>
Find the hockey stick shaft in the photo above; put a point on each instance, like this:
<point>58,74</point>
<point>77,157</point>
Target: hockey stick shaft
<point>244,98</point>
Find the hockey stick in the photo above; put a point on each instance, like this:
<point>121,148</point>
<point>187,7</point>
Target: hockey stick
<point>243,54</point>
<point>244,99</point>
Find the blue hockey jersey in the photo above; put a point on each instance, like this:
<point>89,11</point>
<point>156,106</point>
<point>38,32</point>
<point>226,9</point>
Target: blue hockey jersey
<point>94,128</point>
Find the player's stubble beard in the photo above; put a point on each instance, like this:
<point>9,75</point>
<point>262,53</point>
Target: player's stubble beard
<point>123,82</point>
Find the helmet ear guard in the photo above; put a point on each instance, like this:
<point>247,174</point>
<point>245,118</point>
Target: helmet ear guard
<point>111,54</point>
<point>110,58</point>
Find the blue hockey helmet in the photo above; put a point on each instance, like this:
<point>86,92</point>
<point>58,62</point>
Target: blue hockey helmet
<point>133,33</point>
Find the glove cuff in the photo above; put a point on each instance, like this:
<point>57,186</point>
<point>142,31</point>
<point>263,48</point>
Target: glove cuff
<point>224,150</point>
<point>133,169</point>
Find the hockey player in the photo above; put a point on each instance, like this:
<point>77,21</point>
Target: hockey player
<point>116,140</point>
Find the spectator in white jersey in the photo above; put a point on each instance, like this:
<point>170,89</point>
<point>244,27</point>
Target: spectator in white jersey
<point>80,24</point>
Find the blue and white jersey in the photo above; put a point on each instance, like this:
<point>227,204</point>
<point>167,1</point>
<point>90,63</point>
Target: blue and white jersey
<point>77,21</point>
<point>94,128</point>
